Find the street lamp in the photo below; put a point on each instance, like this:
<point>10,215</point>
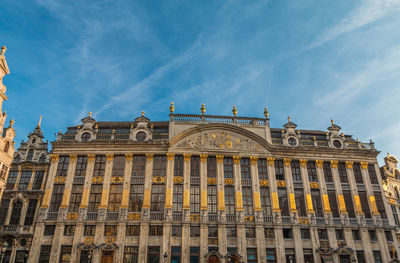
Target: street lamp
<point>3,251</point>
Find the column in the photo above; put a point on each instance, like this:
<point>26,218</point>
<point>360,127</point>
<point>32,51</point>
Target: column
<point>323,190</point>
<point>18,178</point>
<point>203,208</point>
<point>354,191</point>
<point>120,240</point>
<point>87,185</point>
<point>68,185</point>
<point>56,245</point>
<point>338,189</point>
<point>31,180</point>
<point>290,188</point>
<point>204,242</point>
<point>348,237</point>
<point>220,187</point>
<point>186,208</point>
<point>383,245</point>
<point>185,242</point>
<point>315,243</point>
<point>143,241</point>
<point>241,231</point>
<point>241,242</point>
<point>23,211</point>
<point>36,243</point>
<point>78,238</point>
<point>147,183</point>
<point>98,239</point>
<point>222,240</point>
<point>106,183</point>
<point>298,243</point>
<point>370,192</point>
<point>333,242</point>
<point>169,188</point>
<point>50,181</point>
<point>126,186</point>
<point>369,256</point>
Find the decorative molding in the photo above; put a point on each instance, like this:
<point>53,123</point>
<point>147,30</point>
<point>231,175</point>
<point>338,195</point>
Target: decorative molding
<point>349,164</point>
<point>178,179</point>
<point>203,158</point>
<point>287,161</point>
<point>54,157</point>
<point>314,185</point>
<point>319,163</point>
<point>97,180</point>
<point>149,156</point>
<point>134,216</point>
<point>109,240</point>
<point>72,216</point>
<point>129,156</point>
<point>59,179</point>
<point>91,157</point>
<point>159,179</point>
<point>264,182</point>
<point>236,159</point>
<point>303,162</point>
<point>170,156</point>
<point>281,183</point>
<point>334,164</point>
<point>253,159</point>
<point>73,157</point>
<point>195,218</point>
<point>186,157</point>
<point>364,165</point>
<point>117,180</point>
<point>88,240</point>
<point>249,219</point>
<point>109,157</point>
<point>271,160</point>
<point>211,180</point>
<point>220,158</point>
<point>228,181</point>
<point>304,220</point>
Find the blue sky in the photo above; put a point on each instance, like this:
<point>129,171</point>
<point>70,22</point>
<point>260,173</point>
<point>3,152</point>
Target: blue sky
<point>312,60</point>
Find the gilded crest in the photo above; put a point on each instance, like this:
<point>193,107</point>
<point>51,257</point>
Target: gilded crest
<point>178,179</point>
<point>134,216</point>
<point>158,179</point>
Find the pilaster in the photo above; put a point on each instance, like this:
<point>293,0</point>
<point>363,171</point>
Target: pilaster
<point>323,190</point>
<point>298,243</point>
<point>88,181</point>
<point>369,256</point>
<point>186,186</point>
<point>144,240</point>
<point>241,242</point>
<point>166,243</point>
<point>260,238</point>
<point>36,243</point>
<point>338,189</point>
<point>238,188</point>
<point>276,211</point>
<point>169,183</point>
<point>290,188</point>
<point>120,240</point>
<point>203,183</point>
<point>106,182</point>
<point>50,180</point>
<point>78,238</point>
<point>56,245</point>
<point>127,182</point>
<point>186,243</point>
<point>220,187</point>
<point>307,189</point>
<point>383,245</point>
<point>147,182</point>
<point>68,181</point>
<point>203,241</point>
<point>222,239</point>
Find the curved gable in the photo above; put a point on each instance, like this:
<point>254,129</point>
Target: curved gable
<point>218,137</point>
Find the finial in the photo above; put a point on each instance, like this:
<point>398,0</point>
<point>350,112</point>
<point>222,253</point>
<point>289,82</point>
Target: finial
<point>332,122</point>
<point>234,110</point>
<point>358,140</point>
<point>40,121</point>
<point>203,109</point>
<point>12,122</point>
<point>60,132</point>
<point>342,134</point>
<point>288,118</point>
<point>142,112</point>
<point>388,154</point>
<point>266,112</point>
<point>172,108</point>
<point>3,50</point>
<point>90,114</point>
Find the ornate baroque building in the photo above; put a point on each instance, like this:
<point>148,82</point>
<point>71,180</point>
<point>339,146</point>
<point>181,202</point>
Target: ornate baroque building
<point>21,198</point>
<point>204,188</point>
<point>7,134</point>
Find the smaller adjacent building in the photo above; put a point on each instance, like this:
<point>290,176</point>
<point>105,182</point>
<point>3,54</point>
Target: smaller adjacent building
<point>23,192</point>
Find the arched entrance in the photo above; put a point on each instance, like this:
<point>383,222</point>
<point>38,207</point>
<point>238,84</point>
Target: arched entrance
<point>213,257</point>
<point>107,256</point>
<point>233,258</point>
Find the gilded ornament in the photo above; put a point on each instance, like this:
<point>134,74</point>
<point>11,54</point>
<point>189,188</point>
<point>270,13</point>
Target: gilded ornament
<point>88,240</point>
<point>170,156</point>
<point>314,185</point>
<point>303,162</point>
<point>228,181</point>
<point>334,164</point>
<point>203,109</point>
<point>117,179</point>
<point>287,161</point>
<point>73,157</point>
<point>271,160</point>
<point>253,159</point>
<point>59,179</point>
<point>97,180</point>
<point>91,157</point>
<point>281,183</point>
<point>234,110</point>
<point>203,158</point>
<point>303,220</point>
<point>109,240</point>
<point>195,218</point>
<point>149,156</point>
<point>129,156</point>
<point>109,157</point>
<point>220,158</point>
<point>134,216</point>
<point>266,112</point>
<point>249,219</point>
<point>264,182</point>
<point>178,179</point>
<point>229,144</point>
<point>211,180</point>
<point>171,108</point>
<point>319,163</point>
<point>72,216</point>
<point>236,159</point>
<point>364,165</point>
<point>54,157</point>
<point>159,179</point>
<point>186,156</point>
<point>349,164</point>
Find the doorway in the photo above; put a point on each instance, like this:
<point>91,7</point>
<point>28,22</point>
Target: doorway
<point>107,256</point>
<point>213,259</point>
<point>345,259</point>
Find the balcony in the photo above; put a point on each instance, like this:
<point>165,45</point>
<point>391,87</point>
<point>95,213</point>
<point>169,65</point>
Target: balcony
<point>159,216</point>
<point>212,217</point>
<point>137,179</point>
<point>337,221</point>
<point>177,216</point>
<point>230,218</point>
<point>320,221</point>
<point>268,219</point>
<point>79,180</point>
<point>10,229</point>
<point>112,216</point>
<point>286,220</point>
<point>91,216</point>
<point>246,182</point>
<point>369,221</point>
<point>52,215</point>
<point>353,221</point>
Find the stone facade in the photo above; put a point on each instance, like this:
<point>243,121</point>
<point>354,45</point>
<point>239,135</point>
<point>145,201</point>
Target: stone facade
<point>21,199</point>
<point>7,134</point>
<point>204,188</point>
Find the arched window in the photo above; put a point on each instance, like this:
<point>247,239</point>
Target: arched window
<point>29,157</point>
<point>7,146</point>
<point>42,159</point>
<point>16,213</point>
<point>396,192</point>
<point>17,158</point>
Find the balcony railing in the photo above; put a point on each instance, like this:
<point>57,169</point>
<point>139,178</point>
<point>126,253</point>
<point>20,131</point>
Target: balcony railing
<point>337,221</point>
<point>10,229</point>
<point>194,180</point>
<point>369,221</point>
<point>286,220</point>
<point>268,219</point>
<point>231,218</point>
<point>91,215</point>
<point>320,221</point>
<point>246,182</point>
<point>385,222</point>
<point>112,216</point>
<point>79,180</point>
<point>156,216</point>
<point>177,216</point>
<point>353,221</point>
<point>52,215</point>
<point>217,119</point>
<point>137,179</point>
<point>213,217</point>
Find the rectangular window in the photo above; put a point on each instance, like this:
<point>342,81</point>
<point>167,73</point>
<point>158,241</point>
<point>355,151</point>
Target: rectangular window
<point>265,200</point>
<point>194,231</point>
<point>49,230</point>
<point>322,234</point>
<point>178,166</point>
<point>357,173</point>
<point>327,172</point>
<point>176,231</point>
<point>269,233</point>
<point>372,235</point>
<point>25,179</point>
<point>90,230</point>
<point>38,180</point>
<point>229,200</point>
<point>349,203</point>
<point>195,166</point>
<point>372,174</point>
<point>287,233</point>
<point>333,203</point>
<point>5,203</point>
<point>118,166</point>
<point>271,255</point>
<point>356,234</point>
<point>380,205</point>
<point>339,234</point>
<point>138,166</point>
<point>212,199</point>
<point>342,173</point>
<point>245,168</point>
<point>377,256</point>
<point>44,254</point>
<point>296,174</point>
<point>99,166</point>
<point>81,164</point>
<point>228,167</point>
<point>247,194</point>
<point>213,231</point>
<point>250,232</point>
<point>153,255</point>
<point>231,232</point>
<point>110,230</point>
<point>62,168</point>
<point>317,203</point>
<point>11,180</point>
<point>155,230</point>
<point>178,198</point>
<point>251,255</point>
<point>312,171</point>
<point>131,254</point>
<point>194,198</point>
<point>3,172</point>
<point>308,255</point>
<point>395,215</point>
<point>305,233</point>
<point>389,236</point>
<point>65,255</point>
<point>176,254</point>
<point>30,213</point>
<point>360,256</point>
<point>364,203</point>
<point>289,254</point>
<point>132,230</point>
<point>194,254</point>
<point>76,197</point>
<point>95,197</point>
<point>159,165</point>
<point>262,169</point>
<point>56,197</point>
<point>115,197</point>
<point>300,201</point>
<point>283,202</point>
<point>279,170</point>
<point>136,196</point>
<point>157,197</point>
<point>69,230</point>
<point>211,167</point>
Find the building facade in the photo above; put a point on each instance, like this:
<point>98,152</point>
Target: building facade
<point>7,134</point>
<point>205,188</point>
<point>23,193</point>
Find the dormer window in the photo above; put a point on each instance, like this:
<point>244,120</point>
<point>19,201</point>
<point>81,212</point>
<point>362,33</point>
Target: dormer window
<point>292,141</point>
<point>17,159</point>
<point>29,156</point>
<point>86,137</point>
<point>33,141</point>
<point>42,159</point>
<point>141,136</point>
<point>337,144</point>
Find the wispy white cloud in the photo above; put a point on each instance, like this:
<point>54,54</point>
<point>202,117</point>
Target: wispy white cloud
<point>368,12</point>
